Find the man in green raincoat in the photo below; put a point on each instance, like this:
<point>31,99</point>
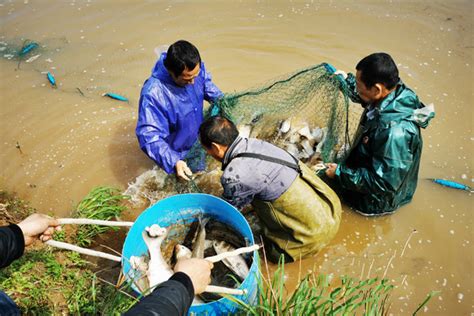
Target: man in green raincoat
<point>381,172</point>
<point>298,212</point>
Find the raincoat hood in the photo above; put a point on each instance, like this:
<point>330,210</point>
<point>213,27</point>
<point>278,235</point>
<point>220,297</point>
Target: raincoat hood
<point>381,172</point>
<point>160,72</point>
<point>407,107</point>
<point>169,115</point>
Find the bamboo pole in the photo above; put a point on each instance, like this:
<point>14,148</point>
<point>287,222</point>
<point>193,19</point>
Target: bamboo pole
<point>232,253</point>
<point>84,251</point>
<point>224,290</point>
<point>89,252</point>
<point>87,221</point>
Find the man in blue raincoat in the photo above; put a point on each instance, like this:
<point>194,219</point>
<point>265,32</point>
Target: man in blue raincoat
<point>171,108</point>
<point>381,172</point>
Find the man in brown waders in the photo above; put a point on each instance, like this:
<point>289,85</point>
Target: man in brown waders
<point>299,213</point>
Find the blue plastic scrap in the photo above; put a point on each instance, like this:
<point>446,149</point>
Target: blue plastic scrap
<point>51,79</point>
<point>115,96</point>
<point>452,184</point>
<point>28,48</point>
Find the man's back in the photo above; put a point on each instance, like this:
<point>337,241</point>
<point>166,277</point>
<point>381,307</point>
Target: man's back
<point>389,150</point>
<point>247,178</point>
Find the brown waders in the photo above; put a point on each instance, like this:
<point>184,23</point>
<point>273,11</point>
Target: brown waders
<point>302,220</point>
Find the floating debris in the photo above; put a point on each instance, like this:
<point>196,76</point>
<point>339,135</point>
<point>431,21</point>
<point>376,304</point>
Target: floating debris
<point>32,58</point>
<point>18,147</point>
<point>80,91</point>
<point>115,96</point>
<point>51,79</point>
<point>28,48</point>
<point>452,184</point>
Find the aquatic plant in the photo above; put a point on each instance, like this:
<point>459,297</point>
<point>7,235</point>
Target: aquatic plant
<point>317,295</point>
<point>103,203</point>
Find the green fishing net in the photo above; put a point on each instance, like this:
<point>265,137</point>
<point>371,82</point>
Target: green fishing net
<point>307,112</point>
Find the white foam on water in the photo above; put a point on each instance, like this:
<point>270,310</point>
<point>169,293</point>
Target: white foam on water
<point>147,187</point>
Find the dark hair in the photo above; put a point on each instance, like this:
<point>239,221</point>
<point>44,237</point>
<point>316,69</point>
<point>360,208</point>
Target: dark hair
<point>378,68</point>
<point>219,130</point>
<point>181,55</point>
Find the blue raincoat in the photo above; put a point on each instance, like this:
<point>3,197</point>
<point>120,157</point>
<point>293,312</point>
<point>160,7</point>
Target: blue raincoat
<point>169,116</point>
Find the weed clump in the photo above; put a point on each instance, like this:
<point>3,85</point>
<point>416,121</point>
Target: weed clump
<point>102,203</point>
<point>46,282</point>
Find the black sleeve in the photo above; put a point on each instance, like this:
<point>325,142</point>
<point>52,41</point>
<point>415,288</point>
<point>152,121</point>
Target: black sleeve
<point>170,298</point>
<point>12,244</point>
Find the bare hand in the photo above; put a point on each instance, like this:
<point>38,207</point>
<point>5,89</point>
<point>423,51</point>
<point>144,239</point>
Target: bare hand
<point>182,170</point>
<point>198,270</point>
<point>38,225</point>
<point>331,170</point>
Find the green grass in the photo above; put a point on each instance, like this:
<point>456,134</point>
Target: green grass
<point>43,282</point>
<point>318,295</point>
<point>46,282</point>
<point>104,203</point>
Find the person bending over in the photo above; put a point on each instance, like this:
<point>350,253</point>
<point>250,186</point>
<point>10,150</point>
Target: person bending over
<point>299,213</point>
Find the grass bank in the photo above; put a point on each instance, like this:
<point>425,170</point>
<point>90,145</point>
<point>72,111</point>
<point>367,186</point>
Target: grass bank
<point>46,281</point>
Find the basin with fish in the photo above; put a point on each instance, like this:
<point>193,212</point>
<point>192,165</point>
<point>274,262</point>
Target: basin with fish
<point>176,213</point>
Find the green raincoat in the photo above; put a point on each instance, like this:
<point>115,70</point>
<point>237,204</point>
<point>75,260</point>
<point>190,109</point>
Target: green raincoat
<point>381,173</point>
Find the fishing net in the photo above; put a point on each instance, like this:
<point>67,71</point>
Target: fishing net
<point>320,125</point>
<point>305,112</point>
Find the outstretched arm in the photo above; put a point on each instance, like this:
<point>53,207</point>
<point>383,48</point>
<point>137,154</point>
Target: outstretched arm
<point>14,238</point>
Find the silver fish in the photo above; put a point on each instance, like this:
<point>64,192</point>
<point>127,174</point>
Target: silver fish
<point>139,273</point>
<point>305,132</point>
<point>182,252</point>
<point>236,264</point>
<point>318,134</point>
<point>323,140</point>
<point>307,147</point>
<point>294,138</point>
<point>158,270</point>
<point>285,126</point>
<point>199,244</point>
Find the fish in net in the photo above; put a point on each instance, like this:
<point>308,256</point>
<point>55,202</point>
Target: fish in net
<point>307,112</point>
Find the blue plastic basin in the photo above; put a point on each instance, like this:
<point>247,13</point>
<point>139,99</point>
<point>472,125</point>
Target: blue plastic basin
<point>186,207</point>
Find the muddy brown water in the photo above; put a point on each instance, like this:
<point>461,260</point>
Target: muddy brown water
<point>71,143</point>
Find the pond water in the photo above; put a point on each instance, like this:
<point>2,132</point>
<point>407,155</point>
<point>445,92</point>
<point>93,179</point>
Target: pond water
<point>57,144</point>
